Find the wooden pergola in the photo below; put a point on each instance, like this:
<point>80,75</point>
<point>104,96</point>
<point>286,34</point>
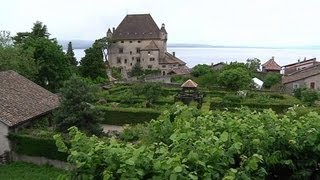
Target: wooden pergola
<point>189,93</point>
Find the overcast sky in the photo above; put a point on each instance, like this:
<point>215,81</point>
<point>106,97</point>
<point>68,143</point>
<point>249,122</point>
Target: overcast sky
<point>216,22</point>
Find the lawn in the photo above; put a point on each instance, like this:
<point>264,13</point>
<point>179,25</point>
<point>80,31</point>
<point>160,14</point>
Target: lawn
<point>20,170</point>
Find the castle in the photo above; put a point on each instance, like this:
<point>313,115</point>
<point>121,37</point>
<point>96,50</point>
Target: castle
<point>138,39</point>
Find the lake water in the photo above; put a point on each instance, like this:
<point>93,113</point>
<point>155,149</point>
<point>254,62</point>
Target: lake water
<point>194,56</point>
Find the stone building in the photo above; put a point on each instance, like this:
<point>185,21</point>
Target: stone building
<point>308,77</point>
<point>138,39</point>
<point>291,68</point>
<point>21,102</point>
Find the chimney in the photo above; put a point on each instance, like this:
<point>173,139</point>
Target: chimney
<point>272,58</point>
<point>113,29</point>
<point>304,59</point>
<point>162,26</point>
<point>174,54</point>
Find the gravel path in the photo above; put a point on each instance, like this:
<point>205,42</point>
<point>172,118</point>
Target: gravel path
<point>107,128</point>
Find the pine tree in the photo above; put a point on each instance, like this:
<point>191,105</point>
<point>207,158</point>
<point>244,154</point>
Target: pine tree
<point>70,54</point>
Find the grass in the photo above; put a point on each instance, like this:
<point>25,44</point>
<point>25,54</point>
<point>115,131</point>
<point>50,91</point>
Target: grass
<point>22,171</point>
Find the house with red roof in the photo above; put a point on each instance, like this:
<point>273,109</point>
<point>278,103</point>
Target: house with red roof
<point>271,66</point>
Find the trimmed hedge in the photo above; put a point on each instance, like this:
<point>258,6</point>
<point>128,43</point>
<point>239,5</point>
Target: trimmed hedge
<point>35,146</point>
<point>121,116</point>
<point>279,108</point>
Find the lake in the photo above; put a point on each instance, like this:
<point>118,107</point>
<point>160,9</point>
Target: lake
<point>194,56</point>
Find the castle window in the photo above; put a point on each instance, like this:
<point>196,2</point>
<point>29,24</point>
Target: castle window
<point>296,85</point>
<point>312,85</point>
<point>149,53</point>
<point>138,50</point>
<point>130,64</point>
<point>130,52</point>
<point>119,60</point>
<point>138,59</point>
<point>125,61</point>
<point>122,41</point>
<point>163,73</point>
<point>130,41</point>
<point>139,41</point>
<point>150,66</point>
<point>164,66</point>
<point>120,50</point>
<point>151,59</point>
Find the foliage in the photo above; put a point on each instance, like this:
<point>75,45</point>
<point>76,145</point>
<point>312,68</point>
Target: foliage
<point>22,171</point>
<point>53,66</point>
<point>116,73</point>
<point>133,133</point>
<point>70,55</point>
<point>15,58</point>
<point>271,79</point>
<point>179,78</point>
<point>136,70</point>
<point>121,116</point>
<point>187,143</point>
<point>92,64</point>
<point>151,91</point>
<point>253,64</point>
<point>235,79</point>
<point>309,96</point>
<point>36,146</point>
<point>200,70</point>
<point>76,107</point>
<point>209,79</point>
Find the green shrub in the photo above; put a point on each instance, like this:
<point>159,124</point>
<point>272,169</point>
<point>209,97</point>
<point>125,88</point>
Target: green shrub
<point>121,116</point>
<point>133,133</point>
<point>35,146</point>
<point>232,98</point>
<point>309,96</point>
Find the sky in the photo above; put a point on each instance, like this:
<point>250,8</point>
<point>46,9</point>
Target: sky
<point>214,22</point>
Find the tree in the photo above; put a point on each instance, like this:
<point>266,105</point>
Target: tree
<point>235,79</point>
<point>253,64</point>
<point>76,107</point>
<point>151,91</point>
<point>200,70</point>
<point>92,65</point>
<point>53,66</point>
<point>136,70</point>
<point>70,55</point>
<point>271,79</point>
<point>19,60</point>
<point>5,39</point>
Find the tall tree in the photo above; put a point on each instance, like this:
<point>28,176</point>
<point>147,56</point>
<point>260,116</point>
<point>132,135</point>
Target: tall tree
<point>92,64</point>
<point>70,55</point>
<point>54,67</point>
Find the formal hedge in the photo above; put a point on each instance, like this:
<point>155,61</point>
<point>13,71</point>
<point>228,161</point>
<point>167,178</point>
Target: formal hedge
<point>279,108</point>
<point>35,146</point>
<point>121,116</point>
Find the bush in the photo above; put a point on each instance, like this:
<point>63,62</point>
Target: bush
<point>232,98</point>
<point>121,116</point>
<point>235,79</point>
<point>271,79</point>
<point>309,96</point>
<point>133,133</point>
<point>35,146</point>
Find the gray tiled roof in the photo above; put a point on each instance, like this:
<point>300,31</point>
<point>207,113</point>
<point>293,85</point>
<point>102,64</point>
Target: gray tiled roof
<point>137,27</point>
<point>22,99</point>
<point>170,59</point>
<point>301,74</point>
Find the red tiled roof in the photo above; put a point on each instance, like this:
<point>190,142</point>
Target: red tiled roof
<point>271,65</point>
<point>22,99</point>
<point>135,27</point>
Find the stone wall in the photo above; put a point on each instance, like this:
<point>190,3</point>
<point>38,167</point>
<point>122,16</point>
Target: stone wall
<point>289,87</point>
<point>4,141</point>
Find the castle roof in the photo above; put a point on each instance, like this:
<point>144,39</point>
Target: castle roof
<point>151,46</point>
<point>271,65</point>
<point>137,27</point>
<point>22,100</point>
<point>170,59</point>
